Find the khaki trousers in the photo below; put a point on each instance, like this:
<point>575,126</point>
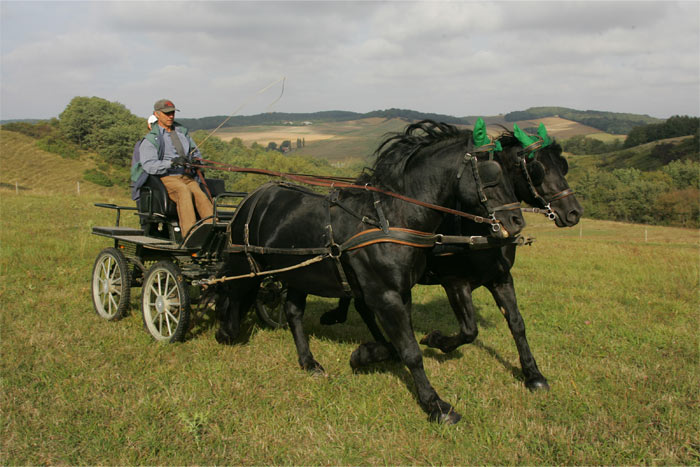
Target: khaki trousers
<point>182,189</point>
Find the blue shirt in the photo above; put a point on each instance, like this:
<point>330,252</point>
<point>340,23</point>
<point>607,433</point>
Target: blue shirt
<point>149,154</point>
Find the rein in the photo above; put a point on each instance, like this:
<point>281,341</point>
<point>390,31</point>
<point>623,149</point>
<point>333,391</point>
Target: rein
<point>343,182</point>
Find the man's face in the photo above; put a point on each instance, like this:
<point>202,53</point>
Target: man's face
<point>165,119</point>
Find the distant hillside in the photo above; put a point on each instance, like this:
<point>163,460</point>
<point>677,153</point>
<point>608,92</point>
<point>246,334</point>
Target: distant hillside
<point>610,122</point>
<point>279,118</point>
<point>645,157</point>
<point>342,141</point>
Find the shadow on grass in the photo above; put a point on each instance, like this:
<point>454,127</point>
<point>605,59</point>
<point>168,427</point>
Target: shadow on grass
<point>354,331</point>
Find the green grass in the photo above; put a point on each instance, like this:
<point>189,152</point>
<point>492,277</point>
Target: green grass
<point>612,320</point>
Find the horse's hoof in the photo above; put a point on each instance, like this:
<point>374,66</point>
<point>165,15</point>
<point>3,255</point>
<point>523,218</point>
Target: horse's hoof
<point>430,339</point>
<point>223,338</point>
<point>313,367</point>
<point>357,359</point>
<point>538,384</point>
<point>449,418</point>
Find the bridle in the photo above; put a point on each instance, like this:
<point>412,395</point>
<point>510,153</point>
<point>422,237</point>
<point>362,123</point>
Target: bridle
<point>530,152</point>
<point>473,162</point>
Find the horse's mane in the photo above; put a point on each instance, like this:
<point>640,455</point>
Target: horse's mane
<point>397,149</point>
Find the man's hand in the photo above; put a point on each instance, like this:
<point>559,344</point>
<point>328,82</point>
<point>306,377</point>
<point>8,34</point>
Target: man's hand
<point>179,161</point>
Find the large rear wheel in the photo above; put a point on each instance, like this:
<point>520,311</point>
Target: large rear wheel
<point>165,303</point>
<point>111,284</point>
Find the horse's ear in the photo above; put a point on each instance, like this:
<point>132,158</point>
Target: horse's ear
<point>479,136</point>
<point>542,132</point>
<point>520,135</point>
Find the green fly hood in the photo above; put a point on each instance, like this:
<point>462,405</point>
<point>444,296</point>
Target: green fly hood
<point>532,143</point>
<point>481,139</point>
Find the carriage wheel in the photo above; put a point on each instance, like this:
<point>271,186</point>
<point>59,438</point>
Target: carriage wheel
<point>270,303</point>
<point>165,303</point>
<point>111,284</point>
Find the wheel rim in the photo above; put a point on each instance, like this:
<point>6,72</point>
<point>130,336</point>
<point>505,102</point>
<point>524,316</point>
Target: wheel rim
<point>107,286</point>
<point>162,304</point>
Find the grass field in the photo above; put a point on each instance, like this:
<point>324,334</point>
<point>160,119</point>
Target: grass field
<point>612,316</point>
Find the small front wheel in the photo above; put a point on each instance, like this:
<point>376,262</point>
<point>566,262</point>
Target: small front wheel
<point>111,284</point>
<point>165,303</point>
<point>270,303</point>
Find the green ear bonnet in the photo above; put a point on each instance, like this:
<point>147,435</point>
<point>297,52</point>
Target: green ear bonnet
<point>482,140</point>
<point>532,143</point>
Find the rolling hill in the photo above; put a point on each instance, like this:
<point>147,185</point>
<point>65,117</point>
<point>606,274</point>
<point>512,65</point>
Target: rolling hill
<point>358,139</point>
<point>26,168</point>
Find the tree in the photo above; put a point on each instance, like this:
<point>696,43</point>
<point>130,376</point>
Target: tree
<point>85,117</point>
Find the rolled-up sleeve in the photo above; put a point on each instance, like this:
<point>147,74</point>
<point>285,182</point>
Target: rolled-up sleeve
<point>149,159</point>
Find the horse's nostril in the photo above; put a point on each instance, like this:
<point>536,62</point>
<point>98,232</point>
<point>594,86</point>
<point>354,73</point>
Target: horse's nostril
<point>573,216</point>
<point>517,220</point>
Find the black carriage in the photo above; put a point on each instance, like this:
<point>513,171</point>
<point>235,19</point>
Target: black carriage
<point>167,266</point>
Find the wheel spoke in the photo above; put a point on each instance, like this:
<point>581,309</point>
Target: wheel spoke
<point>167,284</point>
<point>167,321</point>
<point>171,318</point>
<point>110,268</point>
<point>169,292</point>
<point>112,301</point>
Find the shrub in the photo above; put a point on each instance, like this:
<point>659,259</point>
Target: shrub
<point>56,145</point>
<point>97,177</point>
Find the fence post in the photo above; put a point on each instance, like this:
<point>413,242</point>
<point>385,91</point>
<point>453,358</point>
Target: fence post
<point>78,187</point>
<point>16,188</point>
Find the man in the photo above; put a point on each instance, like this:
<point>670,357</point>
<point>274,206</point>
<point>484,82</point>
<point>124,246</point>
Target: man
<point>164,152</point>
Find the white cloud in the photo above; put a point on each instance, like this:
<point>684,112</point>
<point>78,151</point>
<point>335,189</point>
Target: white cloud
<point>445,57</point>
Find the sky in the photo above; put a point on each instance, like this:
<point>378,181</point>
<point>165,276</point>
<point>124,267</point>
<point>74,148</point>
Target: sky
<point>460,58</point>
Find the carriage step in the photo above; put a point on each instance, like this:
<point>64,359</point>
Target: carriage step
<point>112,231</point>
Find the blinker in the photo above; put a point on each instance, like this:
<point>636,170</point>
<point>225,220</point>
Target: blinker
<point>535,170</point>
<point>489,173</point>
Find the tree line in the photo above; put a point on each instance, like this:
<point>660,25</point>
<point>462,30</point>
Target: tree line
<point>669,196</point>
<point>678,125</point>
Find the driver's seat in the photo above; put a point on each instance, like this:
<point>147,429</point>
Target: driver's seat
<point>158,213</point>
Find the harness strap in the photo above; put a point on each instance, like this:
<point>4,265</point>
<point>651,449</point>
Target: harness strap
<point>383,222</point>
<point>407,237</point>
<point>563,194</point>
<point>334,251</point>
<point>335,201</point>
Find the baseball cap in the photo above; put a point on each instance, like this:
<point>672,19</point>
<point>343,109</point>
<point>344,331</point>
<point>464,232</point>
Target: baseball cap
<point>164,105</point>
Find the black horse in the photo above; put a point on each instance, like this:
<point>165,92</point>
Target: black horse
<point>362,244</point>
<point>538,175</point>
